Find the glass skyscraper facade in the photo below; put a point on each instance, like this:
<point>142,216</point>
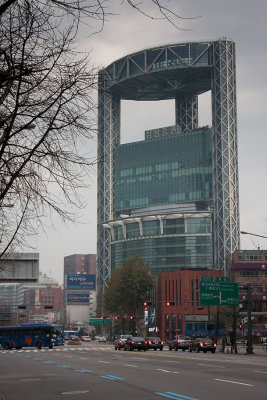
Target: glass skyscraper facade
<point>174,170</point>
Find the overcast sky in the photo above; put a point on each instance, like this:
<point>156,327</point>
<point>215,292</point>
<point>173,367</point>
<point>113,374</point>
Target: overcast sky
<point>242,21</point>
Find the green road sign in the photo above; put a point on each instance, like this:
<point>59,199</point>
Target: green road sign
<point>206,279</point>
<point>229,294</point>
<point>99,321</point>
<point>222,279</point>
<point>219,293</point>
<point>209,293</point>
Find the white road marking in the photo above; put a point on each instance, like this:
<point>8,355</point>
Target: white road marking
<point>261,372</point>
<point>139,358</point>
<point>30,379</point>
<point>210,365</point>
<point>237,383</point>
<point>76,392</point>
<point>83,358</point>
<point>175,362</point>
<point>130,365</point>
<point>162,370</point>
<point>68,356</point>
<point>104,362</point>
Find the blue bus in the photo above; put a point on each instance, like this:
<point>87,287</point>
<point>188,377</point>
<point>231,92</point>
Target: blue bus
<point>31,335</point>
<point>70,335</point>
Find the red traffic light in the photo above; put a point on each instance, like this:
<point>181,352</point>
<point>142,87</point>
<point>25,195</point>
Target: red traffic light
<point>101,317</point>
<point>131,317</point>
<point>170,303</point>
<point>147,303</point>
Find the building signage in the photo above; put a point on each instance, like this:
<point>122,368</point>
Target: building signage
<point>77,298</point>
<point>81,282</point>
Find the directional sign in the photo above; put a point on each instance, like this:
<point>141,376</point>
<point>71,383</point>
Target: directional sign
<point>206,279</point>
<point>222,279</point>
<point>219,293</point>
<point>99,321</point>
<point>229,294</point>
<point>209,293</point>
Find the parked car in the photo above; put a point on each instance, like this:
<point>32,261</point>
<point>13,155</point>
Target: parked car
<point>133,343</point>
<point>86,339</point>
<point>203,344</point>
<point>180,342</point>
<point>154,343</point>
<point>119,343</point>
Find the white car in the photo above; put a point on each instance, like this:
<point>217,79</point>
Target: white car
<point>100,339</point>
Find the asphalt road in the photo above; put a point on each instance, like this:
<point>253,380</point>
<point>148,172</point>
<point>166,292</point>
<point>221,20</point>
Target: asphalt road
<point>97,372</point>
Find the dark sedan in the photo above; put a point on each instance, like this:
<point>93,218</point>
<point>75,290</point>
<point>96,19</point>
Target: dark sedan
<point>203,344</point>
<point>133,343</point>
<point>154,343</point>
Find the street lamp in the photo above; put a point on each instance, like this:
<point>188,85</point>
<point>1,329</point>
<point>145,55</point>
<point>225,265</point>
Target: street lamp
<point>253,234</point>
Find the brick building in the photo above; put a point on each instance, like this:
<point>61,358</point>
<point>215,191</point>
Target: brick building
<point>80,263</point>
<point>186,315</point>
<point>40,299</point>
<point>250,266</point>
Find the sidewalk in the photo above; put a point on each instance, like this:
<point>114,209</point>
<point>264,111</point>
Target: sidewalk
<point>258,349</point>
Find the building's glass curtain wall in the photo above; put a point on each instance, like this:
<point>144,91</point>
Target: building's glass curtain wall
<point>178,246</point>
<point>172,169</point>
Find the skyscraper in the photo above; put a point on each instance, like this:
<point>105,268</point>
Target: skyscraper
<point>172,198</point>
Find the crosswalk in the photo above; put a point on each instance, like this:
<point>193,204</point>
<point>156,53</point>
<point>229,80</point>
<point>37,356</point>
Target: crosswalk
<point>59,349</point>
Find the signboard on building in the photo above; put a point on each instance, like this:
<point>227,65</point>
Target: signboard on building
<point>160,132</point>
<point>77,298</point>
<point>81,282</point>
<point>219,293</point>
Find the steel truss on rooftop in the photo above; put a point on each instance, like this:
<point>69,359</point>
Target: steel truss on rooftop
<point>180,72</point>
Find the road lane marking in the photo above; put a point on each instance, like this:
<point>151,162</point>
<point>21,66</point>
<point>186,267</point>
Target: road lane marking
<point>83,370</point>
<point>112,377</point>
<point>210,365</point>
<point>104,362</point>
<point>261,372</point>
<point>76,392</point>
<point>130,365</point>
<point>237,383</point>
<point>162,370</point>
<point>175,362</point>
<point>30,379</point>
<point>176,396</point>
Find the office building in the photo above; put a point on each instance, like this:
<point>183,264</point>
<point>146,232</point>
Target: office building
<point>173,197</point>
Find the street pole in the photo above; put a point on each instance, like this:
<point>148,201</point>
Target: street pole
<point>249,344</point>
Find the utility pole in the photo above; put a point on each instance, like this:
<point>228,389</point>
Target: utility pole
<point>249,344</point>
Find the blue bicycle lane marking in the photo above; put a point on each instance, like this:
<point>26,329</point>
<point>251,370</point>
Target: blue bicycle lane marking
<point>176,396</point>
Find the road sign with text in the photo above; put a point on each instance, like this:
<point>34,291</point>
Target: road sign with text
<point>219,293</point>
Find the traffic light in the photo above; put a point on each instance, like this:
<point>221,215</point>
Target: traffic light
<point>48,307</point>
<point>22,307</point>
<point>240,327</point>
<point>131,317</point>
<point>147,303</point>
<point>170,303</point>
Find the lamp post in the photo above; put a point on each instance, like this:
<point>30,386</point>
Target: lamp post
<point>253,234</point>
